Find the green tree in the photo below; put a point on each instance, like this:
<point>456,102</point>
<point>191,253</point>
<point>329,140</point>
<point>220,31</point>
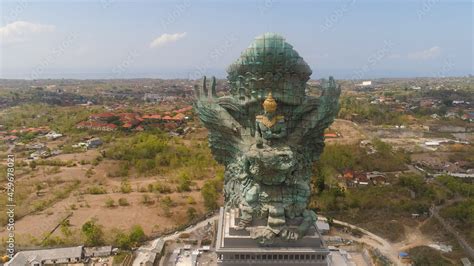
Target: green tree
<point>192,213</point>
<point>93,233</point>
<point>65,228</point>
<point>137,235</point>
<point>209,194</point>
<point>122,240</point>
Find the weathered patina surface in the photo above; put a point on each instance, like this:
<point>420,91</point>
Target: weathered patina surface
<point>268,133</point>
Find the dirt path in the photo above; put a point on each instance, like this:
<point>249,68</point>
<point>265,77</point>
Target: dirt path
<point>373,240</point>
<point>413,238</point>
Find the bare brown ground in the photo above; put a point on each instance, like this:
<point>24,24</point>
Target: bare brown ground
<point>350,131</point>
<point>84,206</point>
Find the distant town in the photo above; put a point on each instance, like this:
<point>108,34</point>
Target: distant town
<point>118,172</point>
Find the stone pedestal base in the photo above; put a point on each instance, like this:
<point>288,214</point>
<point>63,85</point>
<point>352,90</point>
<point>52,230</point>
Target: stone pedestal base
<point>235,247</point>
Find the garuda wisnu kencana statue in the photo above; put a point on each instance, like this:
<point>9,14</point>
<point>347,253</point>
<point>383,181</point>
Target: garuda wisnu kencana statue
<point>267,133</point>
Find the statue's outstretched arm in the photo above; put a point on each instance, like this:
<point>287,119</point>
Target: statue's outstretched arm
<point>225,133</point>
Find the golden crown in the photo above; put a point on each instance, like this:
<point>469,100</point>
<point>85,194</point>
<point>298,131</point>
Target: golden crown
<point>270,105</point>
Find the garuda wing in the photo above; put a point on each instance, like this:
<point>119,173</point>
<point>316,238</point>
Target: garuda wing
<point>226,135</point>
<point>315,115</point>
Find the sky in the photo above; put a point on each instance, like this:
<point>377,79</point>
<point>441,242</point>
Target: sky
<point>350,39</point>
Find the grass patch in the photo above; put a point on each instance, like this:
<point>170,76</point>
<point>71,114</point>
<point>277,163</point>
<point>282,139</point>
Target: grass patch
<point>423,255</point>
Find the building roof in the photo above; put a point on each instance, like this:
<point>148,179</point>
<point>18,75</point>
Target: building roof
<point>144,257</point>
<point>26,257</point>
<point>322,225</point>
<point>154,116</point>
<point>98,251</point>
<point>179,116</point>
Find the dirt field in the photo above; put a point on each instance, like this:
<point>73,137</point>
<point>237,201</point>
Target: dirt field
<point>48,194</point>
<point>351,133</point>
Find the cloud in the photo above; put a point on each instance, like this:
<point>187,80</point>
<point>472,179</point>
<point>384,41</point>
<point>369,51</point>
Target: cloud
<point>166,38</point>
<point>430,53</point>
<point>21,31</point>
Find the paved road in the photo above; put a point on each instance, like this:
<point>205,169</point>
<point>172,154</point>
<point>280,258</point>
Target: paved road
<point>192,228</point>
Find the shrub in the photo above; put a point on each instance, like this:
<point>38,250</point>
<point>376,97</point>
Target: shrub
<point>95,190</point>
<point>136,234</point>
<point>184,182</point>
<point>147,200</point>
<point>191,213</point>
<point>162,188</point>
<point>190,200</point>
<point>90,172</point>
<point>125,187</point>
<point>123,202</point>
<point>133,238</point>
<point>109,203</point>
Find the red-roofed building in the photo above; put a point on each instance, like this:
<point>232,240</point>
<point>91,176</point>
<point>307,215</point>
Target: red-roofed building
<point>330,135</point>
<point>348,175</point>
<point>361,179</point>
<point>151,117</point>
<point>179,117</point>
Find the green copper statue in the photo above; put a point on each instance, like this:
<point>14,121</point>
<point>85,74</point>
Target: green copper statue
<point>267,133</point>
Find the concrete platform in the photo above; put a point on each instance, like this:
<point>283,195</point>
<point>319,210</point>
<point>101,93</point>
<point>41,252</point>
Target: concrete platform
<point>235,247</point>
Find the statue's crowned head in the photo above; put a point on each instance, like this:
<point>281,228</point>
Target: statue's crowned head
<point>269,62</point>
<point>269,105</point>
